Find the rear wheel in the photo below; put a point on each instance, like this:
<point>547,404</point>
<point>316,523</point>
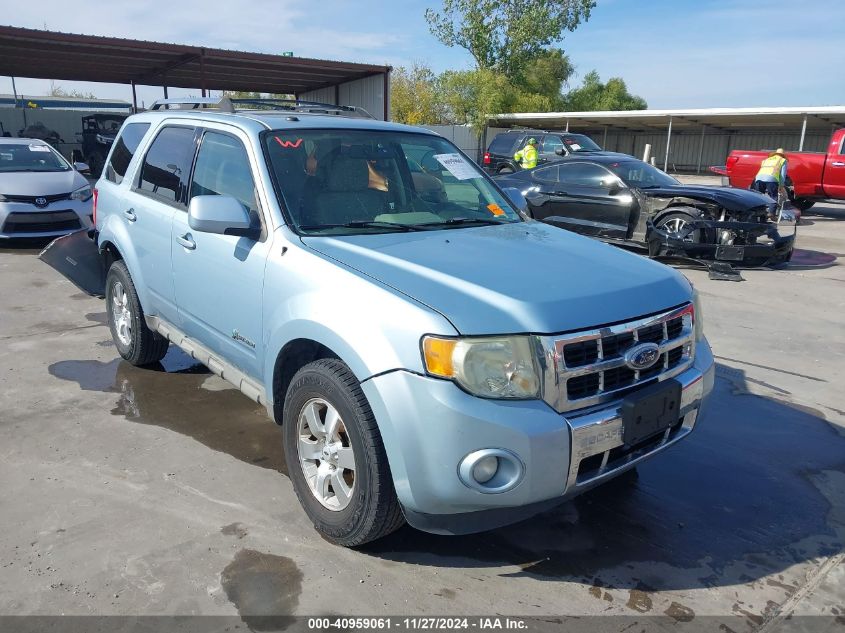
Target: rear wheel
<point>505,170</point>
<point>135,342</point>
<point>803,204</point>
<point>336,458</point>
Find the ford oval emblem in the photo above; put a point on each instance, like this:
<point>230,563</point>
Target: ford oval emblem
<point>41,202</point>
<point>642,356</point>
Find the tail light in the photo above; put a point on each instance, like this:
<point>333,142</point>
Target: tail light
<point>486,158</point>
<point>94,215</point>
<point>732,160</point>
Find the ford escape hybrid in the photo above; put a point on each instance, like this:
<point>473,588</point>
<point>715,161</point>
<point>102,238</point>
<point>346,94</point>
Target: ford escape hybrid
<point>375,291</point>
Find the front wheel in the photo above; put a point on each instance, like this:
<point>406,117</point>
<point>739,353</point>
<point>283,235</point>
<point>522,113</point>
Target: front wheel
<point>135,342</point>
<point>677,225</point>
<point>337,462</point>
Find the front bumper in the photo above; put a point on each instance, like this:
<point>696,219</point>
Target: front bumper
<point>753,243</point>
<point>21,220</point>
<point>429,426</point>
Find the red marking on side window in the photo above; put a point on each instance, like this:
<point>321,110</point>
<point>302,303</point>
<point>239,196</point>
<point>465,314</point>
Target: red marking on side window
<point>288,144</point>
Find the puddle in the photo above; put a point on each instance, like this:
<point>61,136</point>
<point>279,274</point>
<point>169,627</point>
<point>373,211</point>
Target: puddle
<point>235,529</point>
<point>184,396</point>
<point>264,588</point>
<point>735,501</point>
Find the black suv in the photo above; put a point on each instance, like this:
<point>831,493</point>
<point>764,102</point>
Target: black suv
<point>98,133</point>
<point>498,159</point>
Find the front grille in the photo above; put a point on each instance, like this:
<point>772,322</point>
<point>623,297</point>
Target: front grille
<point>50,222</point>
<point>591,366</point>
<point>31,199</point>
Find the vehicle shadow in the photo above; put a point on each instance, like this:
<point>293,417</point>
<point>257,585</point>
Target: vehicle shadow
<point>28,246</point>
<point>803,259</point>
<point>753,491</point>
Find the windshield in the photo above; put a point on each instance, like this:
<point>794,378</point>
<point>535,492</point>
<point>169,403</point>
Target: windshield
<point>32,157</point>
<point>360,181</point>
<point>579,143</point>
<point>635,173</point>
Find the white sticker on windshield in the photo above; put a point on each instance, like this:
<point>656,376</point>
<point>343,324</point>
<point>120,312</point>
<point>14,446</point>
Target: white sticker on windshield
<point>574,146</point>
<point>457,166</point>
<point>39,148</point>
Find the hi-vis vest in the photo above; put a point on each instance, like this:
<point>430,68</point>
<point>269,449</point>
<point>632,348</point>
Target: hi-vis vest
<point>527,157</point>
<point>772,166</point>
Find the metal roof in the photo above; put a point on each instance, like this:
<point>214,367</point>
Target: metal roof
<point>79,103</point>
<point>53,55</point>
<point>718,118</point>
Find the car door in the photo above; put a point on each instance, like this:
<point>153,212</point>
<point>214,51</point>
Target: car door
<point>548,149</point>
<point>834,173</point>
<point>589,199</point>
<point>219,278</point>
<point>155,196</point>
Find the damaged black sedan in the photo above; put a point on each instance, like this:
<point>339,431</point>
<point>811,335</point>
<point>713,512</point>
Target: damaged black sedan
<point>620,199</point>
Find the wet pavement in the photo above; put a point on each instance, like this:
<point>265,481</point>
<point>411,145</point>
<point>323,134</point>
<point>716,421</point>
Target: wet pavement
<point>163,490</point>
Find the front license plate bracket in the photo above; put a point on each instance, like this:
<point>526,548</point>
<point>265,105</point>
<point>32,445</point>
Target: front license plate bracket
<point>650,411</point>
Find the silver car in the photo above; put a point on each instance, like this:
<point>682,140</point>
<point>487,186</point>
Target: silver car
<point>41,194</point>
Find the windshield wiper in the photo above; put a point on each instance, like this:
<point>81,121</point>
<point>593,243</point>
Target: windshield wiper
<point>362,225</point>
<point>460,221</point>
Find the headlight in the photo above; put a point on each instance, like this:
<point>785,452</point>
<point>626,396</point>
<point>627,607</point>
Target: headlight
<point>495,367</point>
<point>698,316</point>
<point>83,193</point>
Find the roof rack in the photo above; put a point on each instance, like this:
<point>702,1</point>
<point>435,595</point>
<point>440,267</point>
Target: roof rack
<point>228,104</point>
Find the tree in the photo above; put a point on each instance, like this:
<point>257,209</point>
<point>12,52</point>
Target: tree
<point>57,91</point>
<point>546,75</point>
<point>470,95</point>
<point>505,35</point>
<point>415,96</point>
<point>594,95</point>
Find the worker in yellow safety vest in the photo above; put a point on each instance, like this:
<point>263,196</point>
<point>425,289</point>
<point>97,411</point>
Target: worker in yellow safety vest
<point>527,156</point>
<point>772,174</point>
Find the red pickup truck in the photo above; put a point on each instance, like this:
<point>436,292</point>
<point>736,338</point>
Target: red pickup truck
<point>814,175</point>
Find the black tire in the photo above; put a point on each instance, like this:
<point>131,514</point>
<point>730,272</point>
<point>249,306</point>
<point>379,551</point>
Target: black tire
<point>140,345</point>
<point>675,218</point>
<point>373,511</point>
<point>505,170</point>
<point>803,204</point>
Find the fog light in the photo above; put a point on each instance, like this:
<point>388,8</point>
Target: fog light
<point>485,469</point>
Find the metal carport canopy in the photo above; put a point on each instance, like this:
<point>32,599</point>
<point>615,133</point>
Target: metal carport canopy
<point>53,55</point>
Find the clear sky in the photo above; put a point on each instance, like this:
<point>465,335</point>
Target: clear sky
<point>674,53</point>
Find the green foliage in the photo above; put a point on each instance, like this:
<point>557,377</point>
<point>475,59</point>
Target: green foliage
<point>470,95</point>
<point>505,35</point>
<point>57,91</point>
<point>595,95</point>
<point>415,96</point>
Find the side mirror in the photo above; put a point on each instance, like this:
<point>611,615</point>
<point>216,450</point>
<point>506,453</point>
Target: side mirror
<point>82,168</point>
<point>222,215</point>
<point>515,196</point>
<point>614,187</point>
<point>559,151</point>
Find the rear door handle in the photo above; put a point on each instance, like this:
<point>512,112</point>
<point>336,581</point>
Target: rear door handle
<point>129,214</point>
<point>186,241</point>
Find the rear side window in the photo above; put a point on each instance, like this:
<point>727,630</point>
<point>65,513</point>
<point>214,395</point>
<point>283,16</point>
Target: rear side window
<point>222,169</point>
<point>167,165</point>
<point>124,149</point>
<point>584,175</point>
<point>503,144</point>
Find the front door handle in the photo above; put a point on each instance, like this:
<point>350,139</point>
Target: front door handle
<point>838,163</point>
<point>186,241</point>
<point>129,214</point>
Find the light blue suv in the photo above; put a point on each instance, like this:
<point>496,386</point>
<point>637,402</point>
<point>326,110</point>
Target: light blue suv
<point>431,354</point>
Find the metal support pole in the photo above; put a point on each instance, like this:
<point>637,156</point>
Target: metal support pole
<point>567,125</point>
<point>604,142</point>
<point>15,91</point>
<point>700,150</point>
<point>202,72</point>
<point>803,133</point>
<point>386,96</point>
<point>134,99</point>
<point>668,143</point>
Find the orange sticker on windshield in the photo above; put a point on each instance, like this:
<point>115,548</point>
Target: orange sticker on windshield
<point>495,209</point>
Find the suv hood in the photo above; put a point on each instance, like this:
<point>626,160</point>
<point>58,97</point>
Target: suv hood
<point>522,277</point>
<point>731,198</point>
<point>45,183</point>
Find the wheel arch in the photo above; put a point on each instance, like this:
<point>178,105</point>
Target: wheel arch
<point>116,245</point>
<point>295,355</point>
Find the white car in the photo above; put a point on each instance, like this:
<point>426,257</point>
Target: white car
<point>41,193</point>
